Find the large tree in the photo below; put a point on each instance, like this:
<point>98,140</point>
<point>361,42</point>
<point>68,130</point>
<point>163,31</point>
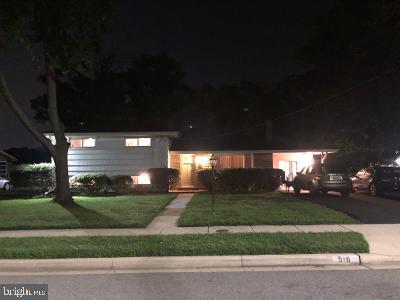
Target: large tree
<point>69,34</point>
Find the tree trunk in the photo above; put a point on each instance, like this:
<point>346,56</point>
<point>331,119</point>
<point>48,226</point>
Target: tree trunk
<point>59,152</point>
<point>63,192</point>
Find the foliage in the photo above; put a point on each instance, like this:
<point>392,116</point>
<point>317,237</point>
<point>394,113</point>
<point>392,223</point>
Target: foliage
<point>91,183</point>
<point>121,183</point>
<point>163,179</point>
<point>69,32</point>
<point>33,177</point>
<point>204,177</point>
<point>243,179</point>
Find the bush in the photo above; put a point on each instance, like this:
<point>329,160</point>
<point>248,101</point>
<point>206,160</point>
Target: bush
<point>93,183</point>
<point>242,179</point>
<point>163,179</point>
<point>204,178</point>
<point>121,183</point>
<point>33,177</point>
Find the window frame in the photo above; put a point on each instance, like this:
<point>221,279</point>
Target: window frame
<point>138,142</point>
<point>82,142</point>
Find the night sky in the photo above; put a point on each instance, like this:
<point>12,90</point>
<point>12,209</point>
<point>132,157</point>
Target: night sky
<point>215,41</point>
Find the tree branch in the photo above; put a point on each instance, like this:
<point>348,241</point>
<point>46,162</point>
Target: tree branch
<point>6,93</point>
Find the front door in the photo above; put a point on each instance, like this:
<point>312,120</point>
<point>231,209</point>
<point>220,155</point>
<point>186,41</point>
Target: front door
<point>187,175</point>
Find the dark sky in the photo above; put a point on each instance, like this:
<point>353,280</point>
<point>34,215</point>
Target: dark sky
<point>215,41</point>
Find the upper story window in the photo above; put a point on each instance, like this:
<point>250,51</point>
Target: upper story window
<point>138,142</point>
<point>82,143</point>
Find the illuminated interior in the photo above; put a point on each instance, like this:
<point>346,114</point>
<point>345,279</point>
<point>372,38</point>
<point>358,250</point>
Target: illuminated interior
<point>202,160</point>
<point>144,178</point>
<point>292,163</point>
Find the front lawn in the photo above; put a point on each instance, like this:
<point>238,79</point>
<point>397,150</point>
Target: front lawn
<point>183,245</point>
<point>133,211</point>
<point>258,209</point>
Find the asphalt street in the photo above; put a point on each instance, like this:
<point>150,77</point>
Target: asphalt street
<point>327,284</point>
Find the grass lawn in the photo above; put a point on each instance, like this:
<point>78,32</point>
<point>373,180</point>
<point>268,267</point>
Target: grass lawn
<point>134,211</point>
<point>183,245</point>
<point>258,209</point>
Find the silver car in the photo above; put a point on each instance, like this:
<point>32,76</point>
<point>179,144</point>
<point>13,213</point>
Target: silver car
<point>5,184</point>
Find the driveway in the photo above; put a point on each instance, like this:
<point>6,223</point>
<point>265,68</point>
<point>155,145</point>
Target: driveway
<point>367,209</point>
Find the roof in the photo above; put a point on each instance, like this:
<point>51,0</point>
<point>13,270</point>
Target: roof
<point>232,152</point>
<point>7,156</point>
<point>173,134</point>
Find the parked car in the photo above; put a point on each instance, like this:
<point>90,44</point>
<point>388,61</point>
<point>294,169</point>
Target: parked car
<point>322,179</point>
<point>5,184</point>
<point>377,180</point>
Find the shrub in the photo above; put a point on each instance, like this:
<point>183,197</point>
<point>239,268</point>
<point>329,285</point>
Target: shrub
<point>33,177</point>
<point>121,183</point>
<point>92,183</point>
<point>242,179</point>
<point>163,179</point>
<point>204,178</point>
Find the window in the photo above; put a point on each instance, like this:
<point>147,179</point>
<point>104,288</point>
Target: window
<point>141,179</point>
<point>138,142</point>
<point>231,161</point>
<point>82,143</point>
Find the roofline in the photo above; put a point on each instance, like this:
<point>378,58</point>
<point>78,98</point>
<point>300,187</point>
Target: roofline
<point>316,151</point>
<point>7,156</point>
<point>173,134</point>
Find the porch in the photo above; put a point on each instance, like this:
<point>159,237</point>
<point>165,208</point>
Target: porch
<point>190,162</point>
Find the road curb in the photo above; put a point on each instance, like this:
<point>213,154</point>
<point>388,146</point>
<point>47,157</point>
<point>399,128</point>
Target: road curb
<point>368,259</point>
<point>174,263</point>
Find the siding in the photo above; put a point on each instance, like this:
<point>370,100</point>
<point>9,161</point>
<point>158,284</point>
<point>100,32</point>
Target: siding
<point>110,156</point>
<point>262,160</point>
<point>3,167</point>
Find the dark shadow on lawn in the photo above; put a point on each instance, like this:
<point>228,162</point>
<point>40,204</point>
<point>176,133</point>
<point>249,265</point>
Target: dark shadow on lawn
<point>90,218</point>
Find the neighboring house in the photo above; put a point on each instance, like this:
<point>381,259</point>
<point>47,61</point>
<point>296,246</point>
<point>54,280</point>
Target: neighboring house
<point>6,163</point>
<point>133,153</point>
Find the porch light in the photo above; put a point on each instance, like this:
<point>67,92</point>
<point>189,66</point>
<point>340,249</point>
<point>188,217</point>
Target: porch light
<point>144,178</point>
<point>398,161</point>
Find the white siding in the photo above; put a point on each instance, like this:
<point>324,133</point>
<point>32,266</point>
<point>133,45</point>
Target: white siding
<point>110,156</point>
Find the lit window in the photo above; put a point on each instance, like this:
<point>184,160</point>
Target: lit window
<point>82,143</point>
<point>143,178</point>
<point>138,142</point>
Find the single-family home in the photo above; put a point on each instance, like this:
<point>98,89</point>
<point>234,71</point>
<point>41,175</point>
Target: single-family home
<point>6,163</point>
<point>133,153</point>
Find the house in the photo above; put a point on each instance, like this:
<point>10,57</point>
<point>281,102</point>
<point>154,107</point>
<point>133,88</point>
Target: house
<point>133,153</point>
<point>118,153</point>
<point>290,161</point>
<point>6,163</point>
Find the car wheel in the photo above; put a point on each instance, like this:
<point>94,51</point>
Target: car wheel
<point>372,190</point>
<point>345,194</point>
<point>6,186</point>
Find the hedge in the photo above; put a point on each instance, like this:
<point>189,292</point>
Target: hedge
<point>121,183</point>
<point>242,179</point>
<point>33,177</point>
<point>163,179</point>
<point>92,183</point>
